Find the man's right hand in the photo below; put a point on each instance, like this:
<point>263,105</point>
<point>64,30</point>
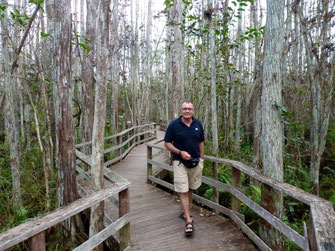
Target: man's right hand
<point>185,155</point>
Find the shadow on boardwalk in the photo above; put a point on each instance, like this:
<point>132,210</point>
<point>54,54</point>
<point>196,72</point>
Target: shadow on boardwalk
<point>155,224</point>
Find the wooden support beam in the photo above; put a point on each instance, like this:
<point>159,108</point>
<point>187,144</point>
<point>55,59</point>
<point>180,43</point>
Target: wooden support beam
<point>37,242</point>
<point>236,182</point>
<point>149,165</point>
<point>124,206</point>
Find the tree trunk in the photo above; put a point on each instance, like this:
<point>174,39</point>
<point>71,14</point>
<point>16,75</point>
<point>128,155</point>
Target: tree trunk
<point>11,119</point>
<point>97,169</point>
<point>62,93</point>
<point>213,95</point>
<point>271,139</point>
<point>177,60</point>
<point>148,71</point>
<point>87,71</point>
<point>115,66</point>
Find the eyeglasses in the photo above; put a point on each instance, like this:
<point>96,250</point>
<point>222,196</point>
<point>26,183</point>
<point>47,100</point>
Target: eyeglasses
<point>187,109</point>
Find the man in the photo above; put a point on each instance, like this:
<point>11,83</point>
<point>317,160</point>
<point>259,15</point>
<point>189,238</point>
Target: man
<point>185,138</point>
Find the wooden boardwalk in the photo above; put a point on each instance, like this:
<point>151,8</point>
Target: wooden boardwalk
<point>155,224</point>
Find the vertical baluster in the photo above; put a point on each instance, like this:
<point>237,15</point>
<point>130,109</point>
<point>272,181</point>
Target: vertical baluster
<point>123,210</point>
<point>236,182</point>
<point>37,242</point>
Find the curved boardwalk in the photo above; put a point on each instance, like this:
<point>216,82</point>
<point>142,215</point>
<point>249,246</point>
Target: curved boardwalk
<point>155,224</point>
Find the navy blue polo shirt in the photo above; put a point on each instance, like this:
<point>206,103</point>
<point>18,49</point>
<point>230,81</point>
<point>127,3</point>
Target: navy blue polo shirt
<point>185,138</point>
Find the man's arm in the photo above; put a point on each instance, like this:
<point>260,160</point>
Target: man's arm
<point>173,149</point>
<point>202,149</point>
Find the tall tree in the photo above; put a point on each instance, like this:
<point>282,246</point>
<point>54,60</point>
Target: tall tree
<point>97,169</point>
<point>213,109</point>
<point>148,70</point>
<point>271,101</point>
<point>87,72</point>
<point>11,118</point>
<point>177,60</point>
<point>320,64</point>
<point>62,95</point>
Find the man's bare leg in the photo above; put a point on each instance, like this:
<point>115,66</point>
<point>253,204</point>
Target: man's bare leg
<point>185,205</point>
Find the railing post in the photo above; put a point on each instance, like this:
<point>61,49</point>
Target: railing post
<point>215,177</point>
<point>236,182</point>
<point>155,129</point>
<point>123,210</point>
<point>37,242</point>
<point>149,166</point>
<point>118,143</point>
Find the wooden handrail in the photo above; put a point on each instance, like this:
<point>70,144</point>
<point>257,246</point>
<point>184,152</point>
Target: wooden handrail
<point>321,235</point>
<point>34,227</point>
<point>116,135</point>
<point>133,139</point>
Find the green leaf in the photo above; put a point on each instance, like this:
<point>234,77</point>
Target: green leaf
<point>44,34</point>
<point>47,80</point>
<point>36,1</point>
<point>21,22</point>
<point>241,9</point>
<point>3,7</point>
<point>12,14</point>
<point>84,46</point>
<point>217,32</point>
<point>17,11</point>
<point>234,3</point>
<point>230,8</point>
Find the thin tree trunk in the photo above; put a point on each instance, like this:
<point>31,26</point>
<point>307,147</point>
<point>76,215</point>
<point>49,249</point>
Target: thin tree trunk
<point>115,66</point>
<point>87,71</point>
<point>97,169</point>
<point>11,119</point>
<point>148,71</point>
<point>177,60</point>
<point>213,95</point>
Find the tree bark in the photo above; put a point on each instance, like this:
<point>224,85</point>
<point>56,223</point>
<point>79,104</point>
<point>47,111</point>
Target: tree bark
<point>11,119</point>
<point>97,169</point>
<point>87,72</point>
<point>177,60</point>
<point>271,137</point>
<point>62,93</point>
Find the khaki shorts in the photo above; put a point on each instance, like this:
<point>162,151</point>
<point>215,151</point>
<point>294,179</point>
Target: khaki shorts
<point>187,178</point>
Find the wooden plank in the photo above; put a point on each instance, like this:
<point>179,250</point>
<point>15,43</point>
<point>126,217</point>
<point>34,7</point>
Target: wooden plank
<point>97,239</point>
<point>124,206</point>
<point>288,189</point>
<point>274,221</point>
<point>84,158</point>
<point>161,182</point>
<point>37,242</point>
<point>149,166</point>
<point>236,182</point>
<point>322,227</point>
<point>26,230</point>
<point>254,237</point>
<point>217,207</point>
<point>160,165</point>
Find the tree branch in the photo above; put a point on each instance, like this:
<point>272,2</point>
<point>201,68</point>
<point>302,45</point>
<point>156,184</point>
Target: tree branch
<point>18,50</point>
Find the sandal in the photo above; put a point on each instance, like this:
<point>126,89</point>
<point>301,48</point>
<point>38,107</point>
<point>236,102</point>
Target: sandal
<point>182,216</point>
<point>189,226</point>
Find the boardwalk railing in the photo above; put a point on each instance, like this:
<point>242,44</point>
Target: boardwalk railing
<point>34,230</point>
<point>122,142</point>
<point>164,124</point>
<point>320,234</point>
